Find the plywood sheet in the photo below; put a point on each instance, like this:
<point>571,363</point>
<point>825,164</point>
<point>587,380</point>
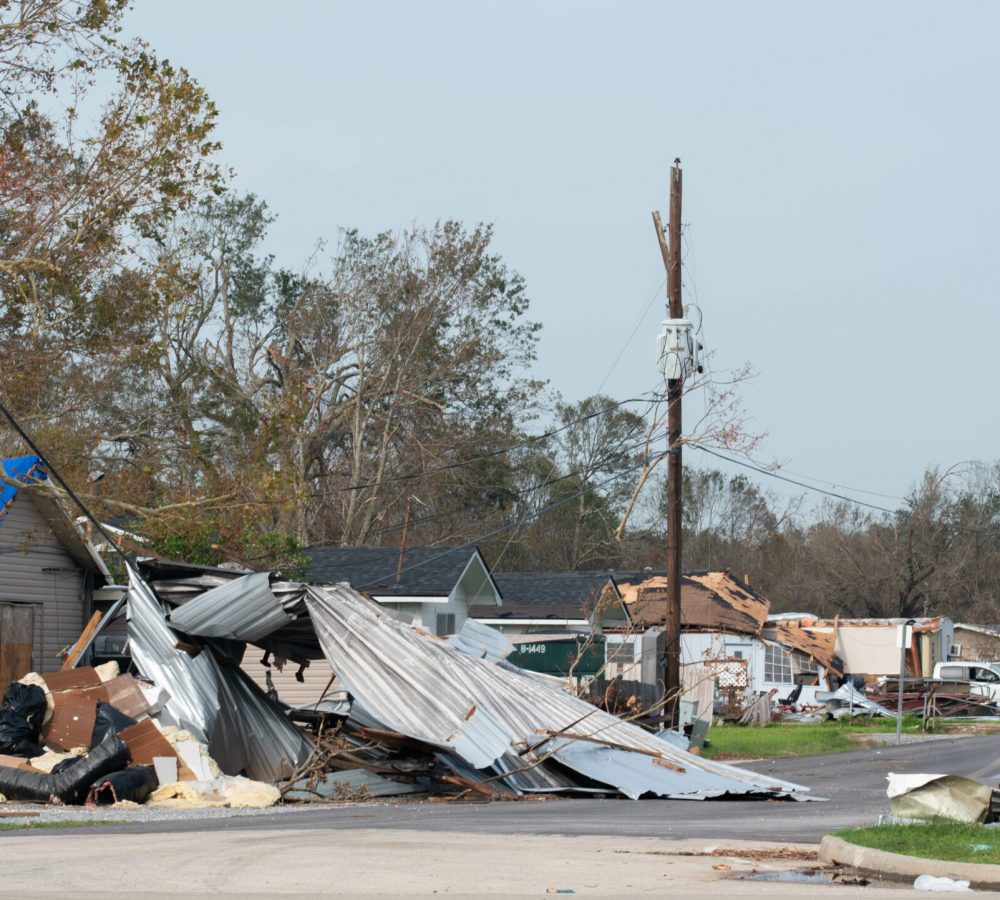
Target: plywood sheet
<point>125,695</point>
<point>71,679</point>
<point>145,741</point>
<point>73,716</point>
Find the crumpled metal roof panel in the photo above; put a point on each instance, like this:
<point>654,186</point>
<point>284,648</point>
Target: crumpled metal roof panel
<point>481,641</point>
<point>403,679</point>
<point>216,703</point>
<point>635,774</point>
<point>244,609</point>
<point>190,680</point>
<point>428,689</point>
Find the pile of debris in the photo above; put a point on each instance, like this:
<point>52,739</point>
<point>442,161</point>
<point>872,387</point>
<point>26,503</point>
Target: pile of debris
<point>932,797</point>
<point>420,713</point>
<point>93,736</point>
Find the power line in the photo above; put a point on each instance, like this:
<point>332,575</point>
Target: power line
<point>631,337</point>
<point>548,482</point>
<point>485,537</point>
<point>802,484</point>
<point>447,467</point>
<point>55,474</point>
<point>891,512</point>
<point>845,487</point>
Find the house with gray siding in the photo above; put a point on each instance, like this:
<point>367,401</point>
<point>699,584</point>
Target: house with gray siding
<point>48,572</point>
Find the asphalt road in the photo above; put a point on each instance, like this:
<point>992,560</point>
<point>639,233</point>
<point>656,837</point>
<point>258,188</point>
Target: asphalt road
<point>853,782</point>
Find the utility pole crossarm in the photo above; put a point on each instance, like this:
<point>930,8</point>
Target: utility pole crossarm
<point>661,236</point>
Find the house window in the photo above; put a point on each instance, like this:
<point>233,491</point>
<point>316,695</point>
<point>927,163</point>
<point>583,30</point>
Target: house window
<point>804,665</point>
<point>445,624</point>
<point>777,665</point>
<point>622,654</point>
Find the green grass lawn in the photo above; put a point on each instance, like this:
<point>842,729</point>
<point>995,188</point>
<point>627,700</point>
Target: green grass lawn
<point>786,739</point>
<point>57,823</point>
<point>935,840</point>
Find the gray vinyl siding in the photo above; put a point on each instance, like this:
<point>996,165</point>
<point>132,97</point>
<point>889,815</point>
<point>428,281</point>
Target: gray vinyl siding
<point>315,678</point>
<point>34,568</point>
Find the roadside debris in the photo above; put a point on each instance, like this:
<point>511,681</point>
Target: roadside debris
<point>940,883</point>
<point>758,710</point>
<point>848,701</point>
<point>916,797</point>
<point>417,714</point>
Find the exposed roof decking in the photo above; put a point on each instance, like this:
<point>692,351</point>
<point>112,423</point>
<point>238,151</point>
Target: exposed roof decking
<point>714,601</point>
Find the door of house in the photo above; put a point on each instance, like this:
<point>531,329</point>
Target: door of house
<point>17,627</point>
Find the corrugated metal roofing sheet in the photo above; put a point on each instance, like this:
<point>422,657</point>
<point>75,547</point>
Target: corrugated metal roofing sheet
<point>481,641</point>
<point>427,689</point>
<point>245,609</point>
<point>215,702</point>
<point>190,680</point>
<point>401,677</point>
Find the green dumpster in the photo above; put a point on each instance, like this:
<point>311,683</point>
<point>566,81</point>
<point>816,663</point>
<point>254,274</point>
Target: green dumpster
<point>556,654</point>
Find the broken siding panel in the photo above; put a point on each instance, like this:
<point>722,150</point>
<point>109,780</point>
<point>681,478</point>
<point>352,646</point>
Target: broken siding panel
<point>35,569</point>
<point>290,692</point>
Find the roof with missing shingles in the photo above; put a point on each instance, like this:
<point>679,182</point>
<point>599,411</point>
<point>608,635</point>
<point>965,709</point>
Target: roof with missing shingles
<point>709,601</point>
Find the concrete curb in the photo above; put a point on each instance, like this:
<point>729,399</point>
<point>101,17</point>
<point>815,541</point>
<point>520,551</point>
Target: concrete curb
<point>896,865</point>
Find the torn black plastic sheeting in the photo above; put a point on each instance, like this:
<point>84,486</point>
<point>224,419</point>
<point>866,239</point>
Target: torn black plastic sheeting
<point>71,785</point>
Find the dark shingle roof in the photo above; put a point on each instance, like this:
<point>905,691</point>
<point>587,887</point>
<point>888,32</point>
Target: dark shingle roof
<point>546,595</point>
<point>426,571</point>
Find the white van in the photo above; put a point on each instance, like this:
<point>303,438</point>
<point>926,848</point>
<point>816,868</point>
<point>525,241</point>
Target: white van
<point>984,676</point>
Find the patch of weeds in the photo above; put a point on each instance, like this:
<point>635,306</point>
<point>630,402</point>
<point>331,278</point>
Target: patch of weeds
<point>34,824</point>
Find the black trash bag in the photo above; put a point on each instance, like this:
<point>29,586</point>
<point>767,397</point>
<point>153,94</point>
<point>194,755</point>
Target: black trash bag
<point>69,786</point>
<point>21,718</point>
<point>135,783</point>
<point>109,721</point>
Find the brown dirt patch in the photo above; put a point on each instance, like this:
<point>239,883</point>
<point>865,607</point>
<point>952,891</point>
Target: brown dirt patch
<point>754,853</point>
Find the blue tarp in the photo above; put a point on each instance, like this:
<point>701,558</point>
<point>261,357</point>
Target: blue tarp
<point>26,469</point>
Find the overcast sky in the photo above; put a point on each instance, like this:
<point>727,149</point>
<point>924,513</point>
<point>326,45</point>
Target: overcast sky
<point>840,186</point>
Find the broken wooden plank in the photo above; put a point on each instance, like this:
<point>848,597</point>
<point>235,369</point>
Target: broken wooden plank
<point>480,787</point>
<point>592,739</point>
<point>668,765</point>
<point>18,762</point>
<point>81,642</point>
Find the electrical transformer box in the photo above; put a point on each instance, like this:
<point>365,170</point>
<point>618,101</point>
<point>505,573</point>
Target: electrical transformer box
<point>676,352</point>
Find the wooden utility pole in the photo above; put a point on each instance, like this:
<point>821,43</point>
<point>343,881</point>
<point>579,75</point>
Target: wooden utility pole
<point>671,250</point>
